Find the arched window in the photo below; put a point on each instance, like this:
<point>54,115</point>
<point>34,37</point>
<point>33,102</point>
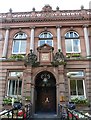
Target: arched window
<point>72,42</point>
<point>45,38</point>
<point>19,43</point>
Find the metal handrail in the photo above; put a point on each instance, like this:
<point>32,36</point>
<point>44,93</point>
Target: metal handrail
<point>66,113</point>
<point>25,113</point>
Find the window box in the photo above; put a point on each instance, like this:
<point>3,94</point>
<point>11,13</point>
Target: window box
<point>7,103</point>
<point>17,57</point>
<point>81,104</point>
<point>73,55</point>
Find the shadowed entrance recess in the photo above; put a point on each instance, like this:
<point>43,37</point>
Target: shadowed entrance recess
<point>45,93</point>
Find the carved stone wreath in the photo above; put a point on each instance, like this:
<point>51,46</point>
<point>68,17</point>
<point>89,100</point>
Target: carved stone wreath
<point>31,59</point>
<point>58,59</point>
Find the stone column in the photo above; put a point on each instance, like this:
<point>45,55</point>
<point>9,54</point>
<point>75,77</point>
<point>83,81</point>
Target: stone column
<point>86,39</point>
<point>32,39</point>
<point>58,38</point>
<point>5,48</point>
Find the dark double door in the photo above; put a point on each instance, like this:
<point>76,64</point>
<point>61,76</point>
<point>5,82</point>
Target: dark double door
<point>45,99</point>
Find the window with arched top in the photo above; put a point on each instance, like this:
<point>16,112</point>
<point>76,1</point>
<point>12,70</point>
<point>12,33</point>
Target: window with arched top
<point>45,38</point>
<point>72,42</point>
<point>19,43</point>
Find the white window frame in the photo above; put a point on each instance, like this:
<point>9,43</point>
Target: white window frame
<point>72,43</point>
<point>45,39</point>
<point>79,77</point>
<point>14,76</point>
<point>20,42</point>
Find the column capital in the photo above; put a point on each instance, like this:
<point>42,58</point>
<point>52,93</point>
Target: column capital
<point>7,27</point>
<point>32,27</point>
<point>85,25</point>
<point>58,26</point>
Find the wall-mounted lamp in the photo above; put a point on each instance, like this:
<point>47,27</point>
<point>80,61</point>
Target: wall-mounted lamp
<point>45,77</point>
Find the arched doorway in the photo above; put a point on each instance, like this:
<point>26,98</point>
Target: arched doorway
<point>45,92</point>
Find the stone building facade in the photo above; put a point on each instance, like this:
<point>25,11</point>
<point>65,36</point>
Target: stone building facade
<point>45,56</point>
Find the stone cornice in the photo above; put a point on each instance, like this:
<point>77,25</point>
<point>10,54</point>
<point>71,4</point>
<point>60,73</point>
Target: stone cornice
<point>43,16</point>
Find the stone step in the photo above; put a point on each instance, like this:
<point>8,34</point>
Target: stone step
<point>45,117</point>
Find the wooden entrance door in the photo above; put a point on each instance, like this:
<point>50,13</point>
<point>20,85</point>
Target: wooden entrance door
<point>46,99</point>
<point>45,92</point>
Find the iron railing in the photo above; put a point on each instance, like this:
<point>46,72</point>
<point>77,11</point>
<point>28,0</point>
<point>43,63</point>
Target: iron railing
<point>24,113</point>
<point>67,114</point>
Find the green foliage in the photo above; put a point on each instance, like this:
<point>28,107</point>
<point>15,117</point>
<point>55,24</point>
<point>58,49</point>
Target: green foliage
<point>56,63</point>
<point>7,101</point>
<point>17,57</point>
<point>69,55</point>
<point>80,101</point>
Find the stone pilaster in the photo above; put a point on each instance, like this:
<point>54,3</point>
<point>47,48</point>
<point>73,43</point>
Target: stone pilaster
<point>5,48</point>
<point>3,91</point>
<point>58,37</point>
<point>27,83</point>
<point>86,39</point>
<point>32,39</point>
<point>61,83</point>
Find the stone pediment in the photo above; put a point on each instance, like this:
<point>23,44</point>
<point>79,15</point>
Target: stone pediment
<point>45,47</point>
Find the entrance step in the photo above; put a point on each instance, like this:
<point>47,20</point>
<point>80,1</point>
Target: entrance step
<point>45,117</point>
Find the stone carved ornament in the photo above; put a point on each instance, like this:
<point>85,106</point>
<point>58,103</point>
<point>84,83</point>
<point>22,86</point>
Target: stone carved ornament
<point>58,58</point>
<point>31,59</point>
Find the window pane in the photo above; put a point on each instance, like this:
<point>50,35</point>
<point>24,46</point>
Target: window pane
<point>20,36</point>
<point>68,46</point>
<point>11,87</point>
<point>20,86</point>
<point>67,35</point>
<point>23,46</point>
<point>14,88</point>
<point>76,74</point>
<point>76,45</point>
<point>16,74</point>
<point>75,35</point>
<point>71,34</point>
<point>72,87</point>
<point>42,42</point>
<point>49,35</point>
<point>49,42</point>
<point>45,35</point>
<point>16,46</point>
<point>80,87</point>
